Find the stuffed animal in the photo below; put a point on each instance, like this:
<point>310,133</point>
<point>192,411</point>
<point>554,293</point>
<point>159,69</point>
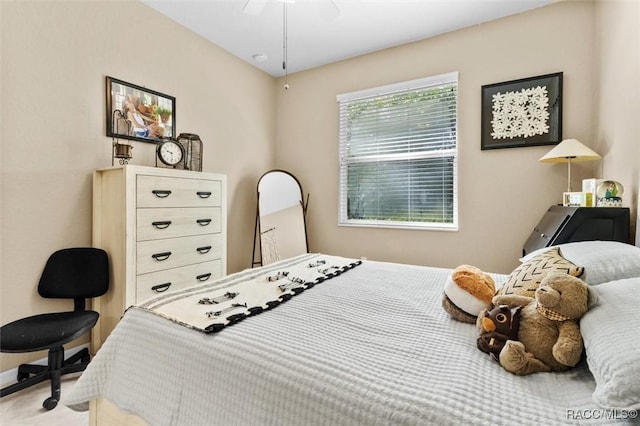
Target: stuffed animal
<point>549,336</point>
<point>499,325</point>
<point>468,291</point>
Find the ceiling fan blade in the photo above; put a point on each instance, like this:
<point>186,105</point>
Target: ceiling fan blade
<point>254,7</point>
<point>327,9</point>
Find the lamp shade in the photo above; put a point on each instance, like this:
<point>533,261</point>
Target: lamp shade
<point>570,150</point>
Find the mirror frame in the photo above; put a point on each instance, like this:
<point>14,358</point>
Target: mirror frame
<point>257,230</point>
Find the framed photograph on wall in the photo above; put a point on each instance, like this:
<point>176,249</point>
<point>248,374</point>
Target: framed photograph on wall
<point>138,113</point>
<point>525,112</point>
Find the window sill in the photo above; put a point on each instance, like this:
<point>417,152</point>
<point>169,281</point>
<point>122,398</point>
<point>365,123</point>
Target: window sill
<point>413,227</point>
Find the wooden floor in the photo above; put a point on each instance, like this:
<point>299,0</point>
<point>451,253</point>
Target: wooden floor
<point>24,408</point>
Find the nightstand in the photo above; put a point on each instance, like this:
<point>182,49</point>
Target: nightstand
<point>571,224</point>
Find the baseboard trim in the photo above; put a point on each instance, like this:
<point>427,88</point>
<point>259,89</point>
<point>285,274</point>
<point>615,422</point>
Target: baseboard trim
<point>10,376</point>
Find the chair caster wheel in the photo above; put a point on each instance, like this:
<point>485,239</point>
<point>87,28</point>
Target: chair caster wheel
<point>50,403</point>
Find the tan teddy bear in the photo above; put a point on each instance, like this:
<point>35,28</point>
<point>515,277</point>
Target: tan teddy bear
<point>549,336</point>
<point>467,291</point>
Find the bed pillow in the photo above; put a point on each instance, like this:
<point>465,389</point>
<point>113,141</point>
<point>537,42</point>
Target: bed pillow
<point>526,278</point>
<point>610,332</point>
<point>603,261</point>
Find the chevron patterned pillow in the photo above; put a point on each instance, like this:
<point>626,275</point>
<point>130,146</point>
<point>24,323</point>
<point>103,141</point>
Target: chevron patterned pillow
<point>526,278</point>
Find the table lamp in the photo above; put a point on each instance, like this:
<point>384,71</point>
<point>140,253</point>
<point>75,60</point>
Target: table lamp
<point>567,151</point>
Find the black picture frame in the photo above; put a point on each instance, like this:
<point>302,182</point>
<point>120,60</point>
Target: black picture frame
<point>137,113</point>
<point>524,112</point>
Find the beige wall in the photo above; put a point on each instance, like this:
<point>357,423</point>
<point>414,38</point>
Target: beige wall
<point>502,193</point>
<point>617,130</point>
<point>55,56</point>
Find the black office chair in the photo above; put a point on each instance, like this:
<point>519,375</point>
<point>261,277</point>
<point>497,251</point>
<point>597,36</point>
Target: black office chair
<point>73,273</point>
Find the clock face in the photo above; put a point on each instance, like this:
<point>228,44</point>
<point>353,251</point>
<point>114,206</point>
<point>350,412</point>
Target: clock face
<point>170,153</point>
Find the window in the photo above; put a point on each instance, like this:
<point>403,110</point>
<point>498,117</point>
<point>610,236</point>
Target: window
<point>398,155</point>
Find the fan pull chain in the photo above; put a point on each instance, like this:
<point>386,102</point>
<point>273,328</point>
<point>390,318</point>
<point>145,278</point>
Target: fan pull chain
<point>285,52</point>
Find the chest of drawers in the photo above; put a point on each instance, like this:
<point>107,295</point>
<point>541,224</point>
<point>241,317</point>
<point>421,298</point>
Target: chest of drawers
<point>163,229</point>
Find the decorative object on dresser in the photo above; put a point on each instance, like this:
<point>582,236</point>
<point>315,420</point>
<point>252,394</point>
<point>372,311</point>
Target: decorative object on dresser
<point>164,229</point>
<point>561,225</point>
<point>609,194</point>
<point>192,146</point>
<point>578,199</point>
<point>150,114</point>
<point>280,218</point>
<point>120,150</point>
<point>605,193</point>
<point>524,112</point>
<point>567,151</point>
<point>169,152</point>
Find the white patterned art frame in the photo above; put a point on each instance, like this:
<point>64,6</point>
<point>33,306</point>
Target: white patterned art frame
<point>524,112</point>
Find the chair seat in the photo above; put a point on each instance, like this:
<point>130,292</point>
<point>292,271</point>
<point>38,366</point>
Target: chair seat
<point>45,331</point>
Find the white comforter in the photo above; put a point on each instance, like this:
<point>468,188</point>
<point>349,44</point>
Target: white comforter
<point>369,347</point>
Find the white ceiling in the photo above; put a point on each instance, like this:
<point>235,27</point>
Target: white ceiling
<point>316,36</point>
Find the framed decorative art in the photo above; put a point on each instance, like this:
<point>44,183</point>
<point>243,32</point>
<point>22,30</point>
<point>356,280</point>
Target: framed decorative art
<point>138,113</point>
<point>525,112</point>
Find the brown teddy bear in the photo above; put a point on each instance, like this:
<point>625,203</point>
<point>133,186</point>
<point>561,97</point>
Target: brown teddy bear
<point>549,336</point>
<point>468,291</point>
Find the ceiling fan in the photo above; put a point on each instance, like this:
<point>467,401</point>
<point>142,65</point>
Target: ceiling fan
<point>327,9</point>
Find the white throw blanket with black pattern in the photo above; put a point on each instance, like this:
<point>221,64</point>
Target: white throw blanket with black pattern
<point>210,307</point>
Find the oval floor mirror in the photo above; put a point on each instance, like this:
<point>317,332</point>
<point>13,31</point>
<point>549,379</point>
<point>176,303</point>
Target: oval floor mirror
<point>280,218</point>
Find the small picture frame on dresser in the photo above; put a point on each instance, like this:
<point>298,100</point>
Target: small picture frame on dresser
<point>137,113</point>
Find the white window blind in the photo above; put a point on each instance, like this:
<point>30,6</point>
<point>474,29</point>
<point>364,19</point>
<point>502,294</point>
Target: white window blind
<point>398,155</point>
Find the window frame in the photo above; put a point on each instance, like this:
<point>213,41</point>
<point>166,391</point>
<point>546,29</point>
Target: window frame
<point>391,89</point>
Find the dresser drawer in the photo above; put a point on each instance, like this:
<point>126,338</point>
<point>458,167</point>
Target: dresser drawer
<point>158,191</point>
<point>157,255</point>
<point>154,283</point>
<point>153,224</point>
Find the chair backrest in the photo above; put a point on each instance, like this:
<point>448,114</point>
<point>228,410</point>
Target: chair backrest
<point>75,273</point>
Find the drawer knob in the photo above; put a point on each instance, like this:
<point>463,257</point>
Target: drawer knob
<point>203,277</point>
<point>203,250</point>
<point>161,287</point>
<point>161,193</point>
<point>162,224</point>
<point>203,222</point>
<point>161,256</point>
<point>204,194</point>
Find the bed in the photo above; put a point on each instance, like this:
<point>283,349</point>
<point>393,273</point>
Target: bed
<point>369,346</point>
